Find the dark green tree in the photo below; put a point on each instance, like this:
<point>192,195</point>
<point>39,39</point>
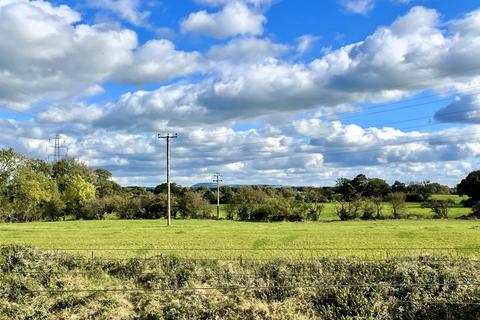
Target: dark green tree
<point>470,186</point>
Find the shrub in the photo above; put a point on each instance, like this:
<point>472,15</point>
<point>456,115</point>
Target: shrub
<point>368,210</point>
<point>397,200</point>
<point>439,207</point>
<point>476,209</point>
<point>348,210</point>
<point>314,211</point>
<point>194,205</point>
<point>414,197</point>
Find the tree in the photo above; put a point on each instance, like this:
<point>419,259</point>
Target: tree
<point>378,204</point>
<point>346,189</point>
<point>470,186</point>
<point>194,205</point>
<point>360,183</point>
<point>226,194</point>
<point>439,207</point>
<point>397,200</point>
<point>65,169</point>
<point>77,193</point>
<point>397,186</point>
<point>104,184</point>
<point>174,188</point>
<point>246,201</point>
<point>348,210</point>
<point>29,191</point>
<point>376,188</point>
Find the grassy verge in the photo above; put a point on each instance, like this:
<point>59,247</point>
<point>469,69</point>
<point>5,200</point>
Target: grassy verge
<point>35,285</point>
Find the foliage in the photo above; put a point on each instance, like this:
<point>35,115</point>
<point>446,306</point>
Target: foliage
<point>348,210</point>
<point>439,207</point>
<point>426,288</point>
<point>368,210</point>
<point>226,194</point>
<point>78,192</point>
<point>397,201</point>
<point>476,209</point>
<point>470,186</point>
<point>30,191</point>
<point>194,205</point>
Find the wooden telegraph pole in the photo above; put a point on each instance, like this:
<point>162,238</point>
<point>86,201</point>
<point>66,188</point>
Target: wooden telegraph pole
<point>168,137</point>
<point>218,178</point>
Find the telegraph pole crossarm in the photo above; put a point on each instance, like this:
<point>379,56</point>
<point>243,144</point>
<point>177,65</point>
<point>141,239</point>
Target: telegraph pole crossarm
<point>168,137</point>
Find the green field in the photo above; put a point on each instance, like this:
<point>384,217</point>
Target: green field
<point>413,209</point>
<point>228,239</point>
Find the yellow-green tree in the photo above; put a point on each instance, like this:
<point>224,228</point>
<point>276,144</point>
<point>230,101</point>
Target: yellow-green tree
<point>30,191</point>
<point>78,192</point>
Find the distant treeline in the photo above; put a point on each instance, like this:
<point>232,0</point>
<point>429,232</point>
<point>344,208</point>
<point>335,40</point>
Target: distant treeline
<point>32,189</point>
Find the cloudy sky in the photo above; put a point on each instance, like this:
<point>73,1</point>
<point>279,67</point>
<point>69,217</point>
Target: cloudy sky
<point>290,92</point>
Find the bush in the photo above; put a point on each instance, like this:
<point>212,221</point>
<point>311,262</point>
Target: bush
<point>348,210</point>
<point>397,200</point>
<point>314,211</point>
<point>368,209</point>
<point>439,207</point>
<point>414,197</point>
<point>194,205</point>
<point>476,209</point>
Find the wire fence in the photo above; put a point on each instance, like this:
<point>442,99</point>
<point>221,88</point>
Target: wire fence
<point>233,254</point>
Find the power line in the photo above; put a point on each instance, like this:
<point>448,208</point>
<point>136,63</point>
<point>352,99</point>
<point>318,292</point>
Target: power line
<point>168,137</point>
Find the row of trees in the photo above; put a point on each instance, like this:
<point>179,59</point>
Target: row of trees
<point>32,189</point>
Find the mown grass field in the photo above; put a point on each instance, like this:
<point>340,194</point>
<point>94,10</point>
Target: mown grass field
<point>229,239</point>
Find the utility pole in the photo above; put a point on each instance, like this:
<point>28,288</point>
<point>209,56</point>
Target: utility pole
<point>168,137</point>
<point>59,148</point>
<point>218,178</point>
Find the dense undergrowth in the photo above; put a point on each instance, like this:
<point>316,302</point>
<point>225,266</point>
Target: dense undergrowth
<point>39,285</point>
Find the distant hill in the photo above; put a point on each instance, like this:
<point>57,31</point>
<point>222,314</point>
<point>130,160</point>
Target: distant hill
<point>233,186</point>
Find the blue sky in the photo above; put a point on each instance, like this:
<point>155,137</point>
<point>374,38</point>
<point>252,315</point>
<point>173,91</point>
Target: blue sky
<point>263,91</point>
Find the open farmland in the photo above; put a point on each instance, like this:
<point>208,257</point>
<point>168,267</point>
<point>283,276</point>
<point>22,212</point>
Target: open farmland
<point>229,239</point>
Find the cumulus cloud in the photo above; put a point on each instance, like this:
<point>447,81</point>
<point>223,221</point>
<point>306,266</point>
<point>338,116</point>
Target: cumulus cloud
<point>158,61</point>
<point>358,6</point>
<point>241,50</point>
<point>45,54</point>
<point>236,18</point>
<point>411,55</point>
<point>305,43</point>
<point>128,10</point>
<point>461,109</point>
<point>246,83</point>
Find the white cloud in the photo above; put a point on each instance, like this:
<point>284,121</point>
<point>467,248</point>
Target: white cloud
<point>241,50</point>
<point>219,3</point>
<point>251,85</point>
<point>128,10</point>
<point>46,56</point>
<point>236,18</point>
<point>358,6</point>
<point>158,61</point>
<point>305,43</point>
<point>462,109</point>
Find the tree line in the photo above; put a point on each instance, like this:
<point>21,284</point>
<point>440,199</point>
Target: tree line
<point>33,189</point>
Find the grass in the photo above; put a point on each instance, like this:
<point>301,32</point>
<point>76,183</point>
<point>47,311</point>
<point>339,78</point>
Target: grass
<point>38,285</point>
<point>413,209</point>
<point>228,239</point>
